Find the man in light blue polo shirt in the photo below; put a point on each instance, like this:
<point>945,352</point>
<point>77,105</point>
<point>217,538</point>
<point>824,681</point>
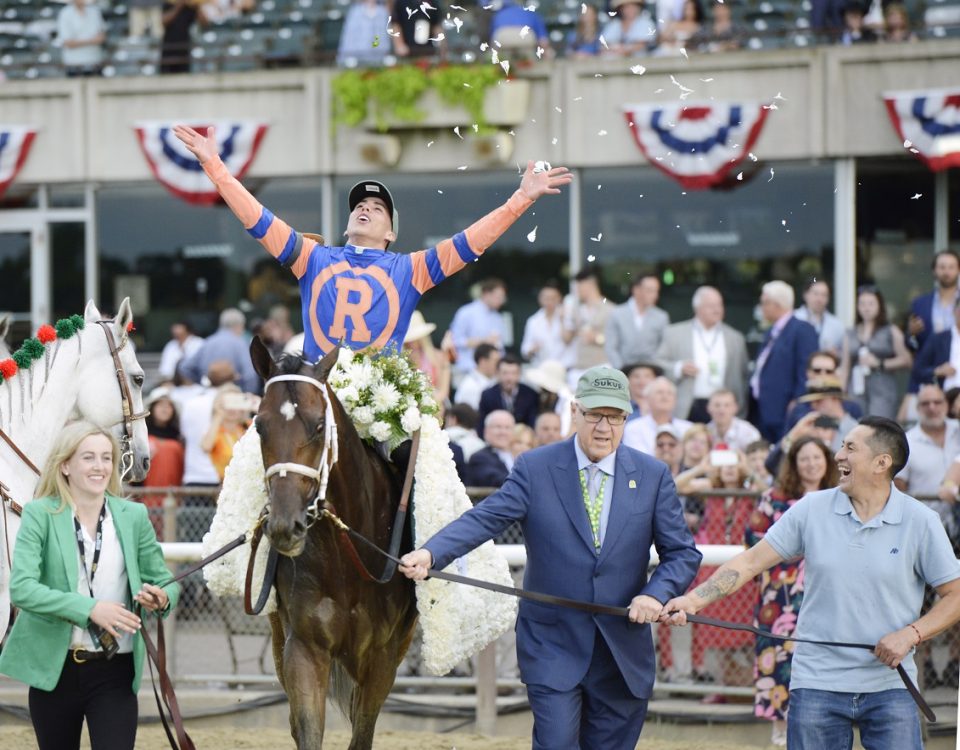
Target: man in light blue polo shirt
<point>868,549</point>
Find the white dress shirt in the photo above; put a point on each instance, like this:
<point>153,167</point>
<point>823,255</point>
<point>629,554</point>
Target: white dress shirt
<point>471,387</point>
<point>954,380</point>
<point>710,357</point>
<point>547,336</point>
<point>641,433</point>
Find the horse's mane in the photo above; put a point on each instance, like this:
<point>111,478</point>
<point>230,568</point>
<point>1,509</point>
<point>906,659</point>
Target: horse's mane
<point>290,364</point>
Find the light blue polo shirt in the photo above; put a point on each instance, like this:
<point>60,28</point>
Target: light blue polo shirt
<point>861,582</point>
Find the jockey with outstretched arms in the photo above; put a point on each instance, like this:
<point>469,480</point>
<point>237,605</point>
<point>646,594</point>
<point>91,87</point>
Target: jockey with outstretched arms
<point>361,294</point>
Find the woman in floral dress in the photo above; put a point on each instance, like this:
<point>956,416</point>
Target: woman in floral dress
<point>809,466</point>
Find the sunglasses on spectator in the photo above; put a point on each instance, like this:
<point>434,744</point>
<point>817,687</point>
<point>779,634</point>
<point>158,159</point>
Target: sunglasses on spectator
<point>823,370</point>
<point>595,417</point>
<point>667,444</point>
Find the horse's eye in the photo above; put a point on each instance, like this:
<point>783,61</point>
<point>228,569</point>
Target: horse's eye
<point>138,380</point>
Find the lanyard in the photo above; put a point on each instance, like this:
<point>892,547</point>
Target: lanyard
<point>594,506</point>
<point>702,338</point>
<point>98,543</point>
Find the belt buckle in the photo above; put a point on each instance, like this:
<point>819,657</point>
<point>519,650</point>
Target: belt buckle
<point>76,655</point>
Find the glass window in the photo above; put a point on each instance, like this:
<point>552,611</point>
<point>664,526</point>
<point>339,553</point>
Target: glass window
<point>67,241</point>
<point>433,207</point>
<point>15,271</point>
<point>67,196</point>
<point>777,223</point>
<point>192,260</point>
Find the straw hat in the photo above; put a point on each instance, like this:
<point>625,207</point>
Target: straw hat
<point>419,328</point>
<point>549,376</point>
<point>818,388</point>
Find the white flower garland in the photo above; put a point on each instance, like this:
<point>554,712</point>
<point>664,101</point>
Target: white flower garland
<point>457,620</point>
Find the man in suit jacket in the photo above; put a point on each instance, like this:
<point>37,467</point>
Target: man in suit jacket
<point>590,508</point>
<point>490,465</point>
<point>937,360</point>
<point>703,355</point>
<point>509,394</point>
<point>779,377</point>
<point>931,313</point>
<point>635,328</point>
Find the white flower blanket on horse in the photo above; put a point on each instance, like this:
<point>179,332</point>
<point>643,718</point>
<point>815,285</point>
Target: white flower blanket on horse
<point>457,620</point>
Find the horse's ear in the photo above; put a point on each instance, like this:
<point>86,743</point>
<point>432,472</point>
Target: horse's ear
<point>123,319</point>
<point>90,313</point>
<point>4,327</point>
<point>260,355</point>
<point>323,367</point>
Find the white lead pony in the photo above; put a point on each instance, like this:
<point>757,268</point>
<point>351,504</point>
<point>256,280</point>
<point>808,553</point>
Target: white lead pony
<point>76,379</point>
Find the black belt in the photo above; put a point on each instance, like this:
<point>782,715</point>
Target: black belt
<point>80,655</point>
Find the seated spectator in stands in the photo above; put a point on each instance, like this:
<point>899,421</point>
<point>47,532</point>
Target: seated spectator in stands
<point>232,410</point>
<point>822,364</point>
<point>80,33</point>
<point>166,451</point>
<point>364,39</point>
<point>146,19</point>
<point>522,440</point>
<point>661,397</point>
<point>829,328</point>
<point>855,31</point>
<point>635,328</point>
<point>932,312</point>
<point>555,395</point>
<point>936,359</point>
<point>675,36</point>
<point>182,344</point>
<point>695,444</point>
<point>229,343</point>
<point>460,424</point>
<point>584,40</point>
<point>489,466</point>
<point>667,448</point>
<point>416,28</point>
<point>585,322</point>
<point>632,32</point>
<point>480,322</point>
<point>427,358</point>
<point>509,394</point>
<point>481,377</point>
<point>519,30</point>
<point>543,331</point>
<point>546,429</point>
<point>757,453</point>
<point>725,426</point>
<point>722,35</point>
<point>896,24</point>
<point>639,376</point>
<point>178,19</point>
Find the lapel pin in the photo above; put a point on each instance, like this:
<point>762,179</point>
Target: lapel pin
<point>633,484</point>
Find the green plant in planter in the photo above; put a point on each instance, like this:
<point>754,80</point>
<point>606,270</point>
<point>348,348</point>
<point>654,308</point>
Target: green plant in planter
<point>394,92</point>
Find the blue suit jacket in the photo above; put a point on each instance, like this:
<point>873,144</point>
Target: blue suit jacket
<point>784,376</point>
<point>555,646</point>
<point>526,405</point>
<point>485,469</point>
<point>922,307</point>
<point>934,353</point>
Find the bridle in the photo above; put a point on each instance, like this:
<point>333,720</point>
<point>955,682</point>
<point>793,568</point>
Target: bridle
<point>126,400</point>
<point>328,454</point>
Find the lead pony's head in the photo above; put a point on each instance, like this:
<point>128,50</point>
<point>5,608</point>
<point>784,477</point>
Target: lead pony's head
<point>298,440</point>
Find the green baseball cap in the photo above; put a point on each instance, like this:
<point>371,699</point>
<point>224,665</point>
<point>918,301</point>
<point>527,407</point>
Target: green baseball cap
<point>602,387</point>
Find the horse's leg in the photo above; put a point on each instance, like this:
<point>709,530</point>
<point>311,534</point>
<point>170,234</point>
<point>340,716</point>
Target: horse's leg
<point>306,672</point>
<point>277,638</point>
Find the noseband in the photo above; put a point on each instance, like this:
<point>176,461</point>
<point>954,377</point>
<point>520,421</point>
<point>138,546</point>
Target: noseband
<point>328,454</point>
<point>126,401</point>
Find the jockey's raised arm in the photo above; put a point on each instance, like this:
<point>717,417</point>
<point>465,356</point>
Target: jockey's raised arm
<point>361,294</point>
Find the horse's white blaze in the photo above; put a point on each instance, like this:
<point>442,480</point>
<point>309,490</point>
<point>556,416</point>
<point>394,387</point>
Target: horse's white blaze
<point>289,410</point>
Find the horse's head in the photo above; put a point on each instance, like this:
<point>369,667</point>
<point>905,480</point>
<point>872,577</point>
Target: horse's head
<point>111,380</point>
<point>298,441</point>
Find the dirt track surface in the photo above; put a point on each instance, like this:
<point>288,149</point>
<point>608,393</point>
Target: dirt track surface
<point>153,738</point>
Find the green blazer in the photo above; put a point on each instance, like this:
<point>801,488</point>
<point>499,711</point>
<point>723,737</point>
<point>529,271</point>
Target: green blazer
<point>44,579</point>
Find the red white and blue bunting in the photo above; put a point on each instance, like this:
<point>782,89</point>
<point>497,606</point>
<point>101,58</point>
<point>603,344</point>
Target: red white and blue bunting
<point>928,123</point>
<point>180,172</point>
<point>15,142</point>
<point>696,143</point>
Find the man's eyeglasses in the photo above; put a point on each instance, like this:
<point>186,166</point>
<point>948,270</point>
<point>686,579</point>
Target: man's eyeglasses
<point>595,417</point>
<point>823,370</point>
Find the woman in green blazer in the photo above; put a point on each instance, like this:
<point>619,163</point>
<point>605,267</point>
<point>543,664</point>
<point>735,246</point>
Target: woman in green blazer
<point>83,557</point>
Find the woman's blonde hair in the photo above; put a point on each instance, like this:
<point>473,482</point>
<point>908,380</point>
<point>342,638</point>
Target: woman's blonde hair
<point>53,483</point>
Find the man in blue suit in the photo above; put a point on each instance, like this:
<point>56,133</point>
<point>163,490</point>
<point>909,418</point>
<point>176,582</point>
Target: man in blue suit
<point>590,508</point>
<point>935,360</point>
<point>932,312</point>
<point>780,375</point>
<point>509,394</point>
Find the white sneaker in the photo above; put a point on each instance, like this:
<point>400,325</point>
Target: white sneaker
<point>779,736</point>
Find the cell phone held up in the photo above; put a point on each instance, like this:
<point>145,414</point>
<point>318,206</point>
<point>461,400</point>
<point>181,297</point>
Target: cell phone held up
<point>103,640</point>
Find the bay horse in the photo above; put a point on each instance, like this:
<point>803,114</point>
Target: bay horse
<point>333,628</point>
<point>78,378</point>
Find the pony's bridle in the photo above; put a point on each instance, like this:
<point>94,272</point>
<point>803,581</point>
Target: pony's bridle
<point>329,453</point>
<point>126,401</point>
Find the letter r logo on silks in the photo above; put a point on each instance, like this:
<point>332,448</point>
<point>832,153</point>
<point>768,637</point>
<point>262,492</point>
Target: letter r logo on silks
<point>358,311</point>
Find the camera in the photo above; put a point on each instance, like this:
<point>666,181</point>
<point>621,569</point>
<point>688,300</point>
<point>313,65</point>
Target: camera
<point>240,402</point>
<point>103,640</point>
<point>724,458</point>
<point>826,423</point>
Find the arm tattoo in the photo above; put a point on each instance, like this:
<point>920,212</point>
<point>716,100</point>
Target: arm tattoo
<point>718,585</point>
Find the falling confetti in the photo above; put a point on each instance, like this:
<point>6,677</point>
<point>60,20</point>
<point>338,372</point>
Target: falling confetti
<point>463,168</point>
<point>599,186</point>
<point>740,177</point>
<point>683,51</point>
<point>476,128</point>
<point>780,96</point>
<point>601,132</point>
<point>591,258</point>
<point>458,23</point>
<point>505,64</point>
<point>583,8</point>
<point>429,144</point>
<point>597,238</point>
<point>524,31</point>
<point>638,70</point>
<point>770,106</point>
<point>553,142</point>
<point>457,131</point>
<point>440,191</point>
<point>604,42</point>
<point>558,110</point>
<point>706,80</point>
<point>540,52</point>
<point>532,237</point>
<point>916,196</point>
<point>752,156</point>
<point>771,175</point>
